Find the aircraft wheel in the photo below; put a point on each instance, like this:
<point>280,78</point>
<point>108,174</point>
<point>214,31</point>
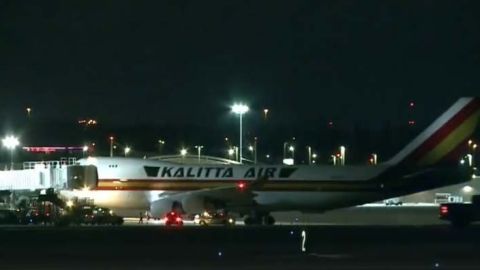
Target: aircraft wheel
<point>249,221</point>
<point>268,220</point>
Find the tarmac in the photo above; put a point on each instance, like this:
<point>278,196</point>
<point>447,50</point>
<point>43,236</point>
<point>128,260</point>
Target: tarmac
<point>240,247</point>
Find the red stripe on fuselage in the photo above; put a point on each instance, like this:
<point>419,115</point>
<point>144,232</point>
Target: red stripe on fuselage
<point>445,130</point>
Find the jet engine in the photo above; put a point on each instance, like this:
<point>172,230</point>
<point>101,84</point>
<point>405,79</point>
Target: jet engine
<point>194,204</point>
<point>159,208</point>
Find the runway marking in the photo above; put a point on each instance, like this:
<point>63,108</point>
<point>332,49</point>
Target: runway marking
<point>304,238</point>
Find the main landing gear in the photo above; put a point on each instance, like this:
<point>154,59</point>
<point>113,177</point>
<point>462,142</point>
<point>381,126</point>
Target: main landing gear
<point>258,219</point>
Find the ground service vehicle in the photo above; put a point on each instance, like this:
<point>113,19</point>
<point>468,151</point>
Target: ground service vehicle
<point>8,217</point>
<point>217,218</point>
<point>173,218</point>
<point>461,214</point>
<point>89,215</point>
<point>393,201</point>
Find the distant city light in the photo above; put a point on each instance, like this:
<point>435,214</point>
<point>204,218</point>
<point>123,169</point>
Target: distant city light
<point>127,150</point>
<point>183,152</point>
<point>291,148</point>
<point>288,161</point>
<point>87,122</point>
<point>467,189</point>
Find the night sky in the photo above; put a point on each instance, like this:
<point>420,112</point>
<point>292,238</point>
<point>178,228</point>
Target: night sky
<point>187,61</point>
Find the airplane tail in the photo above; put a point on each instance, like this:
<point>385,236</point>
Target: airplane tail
<point>445,140</point>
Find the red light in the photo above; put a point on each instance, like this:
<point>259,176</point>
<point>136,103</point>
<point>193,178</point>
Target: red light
<point>178,219</point>
<point>241,185</point>
<point>444,210</point>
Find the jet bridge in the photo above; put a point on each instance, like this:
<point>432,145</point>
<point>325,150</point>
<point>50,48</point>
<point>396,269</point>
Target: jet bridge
<point>49,174</point>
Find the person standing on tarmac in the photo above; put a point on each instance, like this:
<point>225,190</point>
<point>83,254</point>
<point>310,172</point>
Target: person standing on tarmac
<point>140,221</point>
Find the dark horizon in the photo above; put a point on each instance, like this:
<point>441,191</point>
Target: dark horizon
<point>187,61</point>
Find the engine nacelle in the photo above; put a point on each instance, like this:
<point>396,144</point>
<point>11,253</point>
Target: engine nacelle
<point>160,207</point>
<point>194,204</point>
<point>188,205</point>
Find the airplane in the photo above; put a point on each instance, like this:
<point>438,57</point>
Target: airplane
<point>430,161</point>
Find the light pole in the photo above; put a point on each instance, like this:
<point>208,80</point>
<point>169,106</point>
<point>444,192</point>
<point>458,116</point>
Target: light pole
<point>314,157</point>
<point>334,160</point>
<point>199,149</point>
<point>10,142</point>
<point>292,149</point>
<point>474,147</point>
<point>127,150</point>
<point>309,150</point>
<point>240,109</point>
<point>253,149</point>
<point>285,150</point>
<point>111,138</point>
<point>342,155</point>
<point>85,150</point>
<point>265,113</point>
<point>374,159</point>
<point>29,111</point>
<point>161,143</point>
<point>230,151</point>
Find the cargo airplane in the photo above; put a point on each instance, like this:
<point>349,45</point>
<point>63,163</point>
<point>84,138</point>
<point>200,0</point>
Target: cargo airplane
<point>430,161</point>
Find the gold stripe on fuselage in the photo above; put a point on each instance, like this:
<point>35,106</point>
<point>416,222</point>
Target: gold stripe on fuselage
<point>188,185</point>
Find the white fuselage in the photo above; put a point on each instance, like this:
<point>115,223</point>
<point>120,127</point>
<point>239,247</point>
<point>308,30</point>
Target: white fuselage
<point>131,185</point>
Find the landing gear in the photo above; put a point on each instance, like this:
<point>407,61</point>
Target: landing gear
<point>268,220</point>
<point>257,219</point>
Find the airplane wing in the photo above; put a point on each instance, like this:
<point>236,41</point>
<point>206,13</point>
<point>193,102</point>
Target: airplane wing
<point>237,194</point>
